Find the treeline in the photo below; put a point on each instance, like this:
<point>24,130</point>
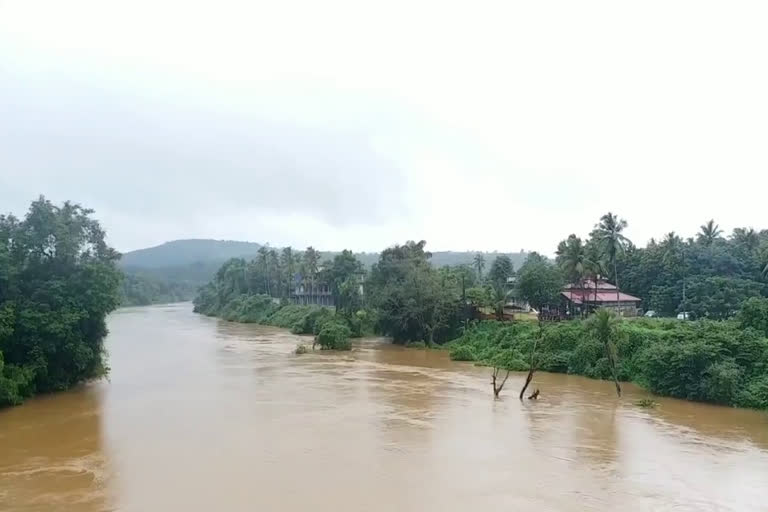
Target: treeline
<point>402,296</point>
<point>58,281</point>
<point>258,291</point>
<point>709,275</point>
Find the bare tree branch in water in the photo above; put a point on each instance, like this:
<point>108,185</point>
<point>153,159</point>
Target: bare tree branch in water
<point>532,364</point>
<point>494,378</point>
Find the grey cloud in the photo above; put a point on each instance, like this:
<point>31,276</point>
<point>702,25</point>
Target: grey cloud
<point>148,158</point>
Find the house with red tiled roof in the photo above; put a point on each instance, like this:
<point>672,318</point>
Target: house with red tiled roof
<point>589,295</point>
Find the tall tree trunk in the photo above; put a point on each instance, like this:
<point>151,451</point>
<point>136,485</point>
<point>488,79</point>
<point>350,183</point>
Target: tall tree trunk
<point>532,366</point>
<point>497,389</point>
<point>594,306</point>
<point>616,278</point>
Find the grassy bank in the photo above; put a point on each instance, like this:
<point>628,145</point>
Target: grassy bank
<point>331,331</point>
<point>720,362</point>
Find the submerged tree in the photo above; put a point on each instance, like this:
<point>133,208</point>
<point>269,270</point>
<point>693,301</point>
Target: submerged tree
<point>604,327</point>
<point>504,362</point>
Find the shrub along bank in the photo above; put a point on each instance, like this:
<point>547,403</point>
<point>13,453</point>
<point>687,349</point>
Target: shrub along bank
<point>332,331</point>
<point>722,362</point>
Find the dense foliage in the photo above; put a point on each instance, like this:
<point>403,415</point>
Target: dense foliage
<point>705,360</point>
<point>58,281</point>
<point>415,301</point>
<point>717,274</point>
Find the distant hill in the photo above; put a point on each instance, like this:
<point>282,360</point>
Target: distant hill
<point>185,252</point>
<point>204,256</point>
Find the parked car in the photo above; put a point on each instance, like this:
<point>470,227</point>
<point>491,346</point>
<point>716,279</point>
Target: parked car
<point>685,315</point>
<point>650,314</point>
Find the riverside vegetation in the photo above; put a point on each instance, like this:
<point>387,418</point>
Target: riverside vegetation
<point>721,357</point>
<point>58,281</point>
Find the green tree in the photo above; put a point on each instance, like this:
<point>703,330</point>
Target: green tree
<point>479,263</point>
<point>608,233</point>
<point>345,275</point>
<point>414,301</point>
<point>754,314</point>
<point>58,281</point>
<point>499,275</point>
<point>274,271</point>
<point>263,263</point>
<point>539,282</point>
<point>310,267</point>
<point>572,259</point>
<point>709,233</point>
<point>604,326</point>
<point>288,266</point>
<point>746,239</point>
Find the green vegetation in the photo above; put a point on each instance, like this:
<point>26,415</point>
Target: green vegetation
<point>646,403</point>
<point>711,361</point>
<point>174,270</point>
<point>301,349</point>
<point>58,281</point>
<point>720,358</point>
<point>412,299</point>
<point>334,336</point>
<point>141,289</point>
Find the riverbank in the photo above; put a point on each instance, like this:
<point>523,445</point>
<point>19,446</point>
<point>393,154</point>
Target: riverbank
<point>717,362</point>
<point>332,330</point>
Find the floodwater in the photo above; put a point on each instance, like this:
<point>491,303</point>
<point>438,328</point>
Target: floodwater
<point>203,415</point>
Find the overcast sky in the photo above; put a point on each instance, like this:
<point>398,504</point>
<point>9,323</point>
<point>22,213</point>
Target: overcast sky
<point>495,125</point>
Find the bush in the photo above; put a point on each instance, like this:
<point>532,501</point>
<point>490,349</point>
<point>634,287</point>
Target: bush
<point>301,349</point>
<point>249,309</point>
<point>754,314</point>
<point>463,353</point>
<point>334,336</point>
<point>754,394</point>
<point>722,382</point>
<point>416,344</point>
<point>289,315</point>
<point>714,361</point>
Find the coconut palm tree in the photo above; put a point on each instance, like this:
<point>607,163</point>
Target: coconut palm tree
<point>288,264</point>
<point>709,232</point>
<point>604,327</point>
<point>274,269</point>
<point>746,238</point>
<point>263,259</point>
<point>479,264</point>
<point>311,262</point>
<point>573,261</point>
<point>609,235</point>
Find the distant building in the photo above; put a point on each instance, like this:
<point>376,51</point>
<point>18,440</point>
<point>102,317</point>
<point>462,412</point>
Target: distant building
<point>585,297</point>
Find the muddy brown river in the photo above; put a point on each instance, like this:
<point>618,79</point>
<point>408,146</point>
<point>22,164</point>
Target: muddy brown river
<point>204,415</point>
